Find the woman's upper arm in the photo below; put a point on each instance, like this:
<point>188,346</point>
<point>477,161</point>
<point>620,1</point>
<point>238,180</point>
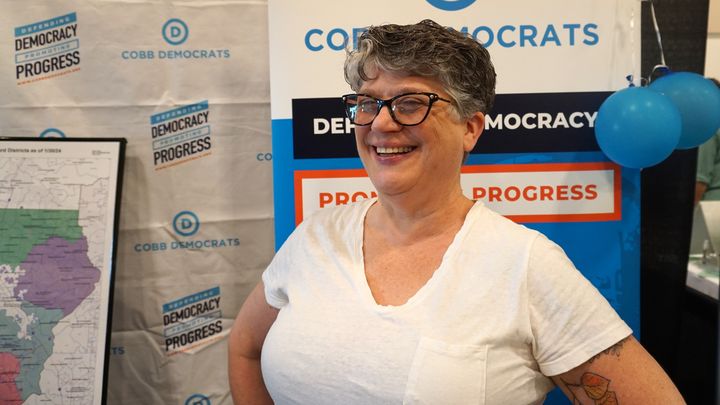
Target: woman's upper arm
<point>622,374</point>
<point>252,324</point>
<point>245,346</point>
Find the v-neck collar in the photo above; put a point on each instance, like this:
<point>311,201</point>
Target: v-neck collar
<point>425,290</point>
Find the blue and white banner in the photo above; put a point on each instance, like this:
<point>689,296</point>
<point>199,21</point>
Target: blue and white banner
<point>537,161</point>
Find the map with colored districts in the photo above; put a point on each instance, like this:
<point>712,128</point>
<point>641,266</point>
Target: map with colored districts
<point>54,262</point>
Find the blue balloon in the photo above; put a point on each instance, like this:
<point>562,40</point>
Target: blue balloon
<point>698,100</point>
<point>637,127</point>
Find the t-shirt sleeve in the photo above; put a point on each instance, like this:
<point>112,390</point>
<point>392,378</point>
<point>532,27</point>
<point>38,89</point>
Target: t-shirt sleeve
<point>707,154</point>
<point>275,277</point>
<point>571,321</point>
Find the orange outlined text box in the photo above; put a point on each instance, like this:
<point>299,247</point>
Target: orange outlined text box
<point>542,192</point>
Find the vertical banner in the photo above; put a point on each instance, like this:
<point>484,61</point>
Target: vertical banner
<point>537,162</point>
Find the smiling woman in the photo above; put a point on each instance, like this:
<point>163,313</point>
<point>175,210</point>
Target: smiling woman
<point>434,138</point>
<point>421,295</point>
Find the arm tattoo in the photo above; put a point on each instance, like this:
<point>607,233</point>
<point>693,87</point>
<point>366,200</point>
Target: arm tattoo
<point>614,350</point>
<point>592,390</point>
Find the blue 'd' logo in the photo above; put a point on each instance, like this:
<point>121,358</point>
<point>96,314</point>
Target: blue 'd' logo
<point>450,5</point>
<point>175,31</point>
<point>197,399</point>
<point>52,133</point>
<point>186,223</point>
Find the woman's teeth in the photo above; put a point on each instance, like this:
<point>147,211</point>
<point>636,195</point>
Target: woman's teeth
<point>401,149</point>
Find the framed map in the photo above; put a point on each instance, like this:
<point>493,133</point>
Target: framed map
<point>59,203</point>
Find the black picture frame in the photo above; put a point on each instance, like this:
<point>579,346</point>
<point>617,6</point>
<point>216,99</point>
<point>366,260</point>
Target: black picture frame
<point>77,151</point>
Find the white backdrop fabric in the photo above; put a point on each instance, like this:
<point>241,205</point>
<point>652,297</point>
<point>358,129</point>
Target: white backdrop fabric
<point>196,224</point>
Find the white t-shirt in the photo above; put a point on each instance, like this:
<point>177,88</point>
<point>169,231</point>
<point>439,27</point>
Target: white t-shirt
<point>504,309</point>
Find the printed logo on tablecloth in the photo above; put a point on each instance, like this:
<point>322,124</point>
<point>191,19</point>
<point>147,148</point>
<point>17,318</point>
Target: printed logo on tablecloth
<point>47,49</point>
<point>264,157</point>
<point>180,135</point>
<point>197,399</point>
<point>186,225</point>
<point>52,133</point>
<point>190,322</point>
<point>174,33</point>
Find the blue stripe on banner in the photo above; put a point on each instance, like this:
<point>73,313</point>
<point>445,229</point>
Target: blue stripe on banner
<point>191,299</point>
<point>178,112</point>
<point>283,185</point>
<point>45,25</point>
<point>284,167</point>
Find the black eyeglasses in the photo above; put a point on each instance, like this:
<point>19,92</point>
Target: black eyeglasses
<point>406,109</point>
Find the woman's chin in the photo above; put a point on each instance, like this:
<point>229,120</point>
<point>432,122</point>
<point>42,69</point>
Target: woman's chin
<point>392,187</point>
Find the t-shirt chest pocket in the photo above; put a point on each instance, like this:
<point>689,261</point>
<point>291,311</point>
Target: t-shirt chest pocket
<point>448,374</point>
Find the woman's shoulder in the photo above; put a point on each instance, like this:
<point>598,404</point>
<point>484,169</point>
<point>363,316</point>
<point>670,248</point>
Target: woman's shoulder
<point>331,223</point>
<point>490,222</point>
<point>487,234</point>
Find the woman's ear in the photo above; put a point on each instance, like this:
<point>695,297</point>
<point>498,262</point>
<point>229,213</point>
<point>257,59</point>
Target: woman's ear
<point>474,128</point>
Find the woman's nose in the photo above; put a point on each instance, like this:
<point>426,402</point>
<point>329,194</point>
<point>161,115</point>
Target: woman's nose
<point>384,121</point>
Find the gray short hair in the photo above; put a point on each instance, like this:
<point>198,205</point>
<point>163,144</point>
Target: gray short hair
<point>461,64</point>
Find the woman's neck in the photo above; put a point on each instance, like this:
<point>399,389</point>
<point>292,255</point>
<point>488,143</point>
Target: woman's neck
<point>406,219</point>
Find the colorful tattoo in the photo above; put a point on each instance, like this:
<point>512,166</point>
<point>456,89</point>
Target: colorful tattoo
<point>592,390</point>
